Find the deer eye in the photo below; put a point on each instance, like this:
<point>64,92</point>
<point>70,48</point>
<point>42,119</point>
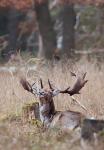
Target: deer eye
<point>42,93</point>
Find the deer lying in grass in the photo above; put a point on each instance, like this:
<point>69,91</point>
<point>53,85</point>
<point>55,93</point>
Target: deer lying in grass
<point>48,115</point>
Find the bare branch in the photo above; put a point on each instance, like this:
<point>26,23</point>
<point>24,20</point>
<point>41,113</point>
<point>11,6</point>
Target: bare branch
<point>81,105</point>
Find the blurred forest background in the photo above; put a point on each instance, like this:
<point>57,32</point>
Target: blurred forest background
<point>51,28</point>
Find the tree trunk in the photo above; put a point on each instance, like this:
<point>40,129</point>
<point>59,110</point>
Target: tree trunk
<point>101,20</point>
<point>13,29</point>
<point>40,53</point>
<point>68,31</point>
<point>46,29</point>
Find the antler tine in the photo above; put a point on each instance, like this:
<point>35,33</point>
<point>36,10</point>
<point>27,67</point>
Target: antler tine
<point>41,83</point>
<point>84,75</point>
<point>72,74</point>
<point>65,91</point>
<point>78,85</point>
<point>34,86</point>
<point>50,86</point>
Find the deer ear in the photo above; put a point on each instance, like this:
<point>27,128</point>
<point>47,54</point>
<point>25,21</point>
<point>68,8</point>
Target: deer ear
<point>55,92</point>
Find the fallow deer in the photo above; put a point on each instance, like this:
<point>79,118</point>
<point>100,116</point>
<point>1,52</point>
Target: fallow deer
<point>48,115</point>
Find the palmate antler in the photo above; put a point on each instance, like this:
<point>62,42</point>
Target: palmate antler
<point>26,85</point>
<point>34,89</point>
<point>78,85</point>
<point>31,88</point>
<point>75,89</point>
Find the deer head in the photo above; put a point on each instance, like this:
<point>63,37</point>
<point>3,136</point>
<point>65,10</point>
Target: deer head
<point>46,104</point>
<point>41,92</point>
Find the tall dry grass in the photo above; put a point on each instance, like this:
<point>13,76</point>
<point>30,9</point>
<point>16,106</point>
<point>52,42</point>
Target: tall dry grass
<point>13,97</point>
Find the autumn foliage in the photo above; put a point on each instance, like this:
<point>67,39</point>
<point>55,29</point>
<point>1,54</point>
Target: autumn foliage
<point>20,4</point>
<point>15,3</point>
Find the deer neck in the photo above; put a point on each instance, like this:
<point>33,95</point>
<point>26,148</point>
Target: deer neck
<point>47,111</point>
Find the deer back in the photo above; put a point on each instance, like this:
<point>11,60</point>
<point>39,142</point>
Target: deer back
<point>67,120</point>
